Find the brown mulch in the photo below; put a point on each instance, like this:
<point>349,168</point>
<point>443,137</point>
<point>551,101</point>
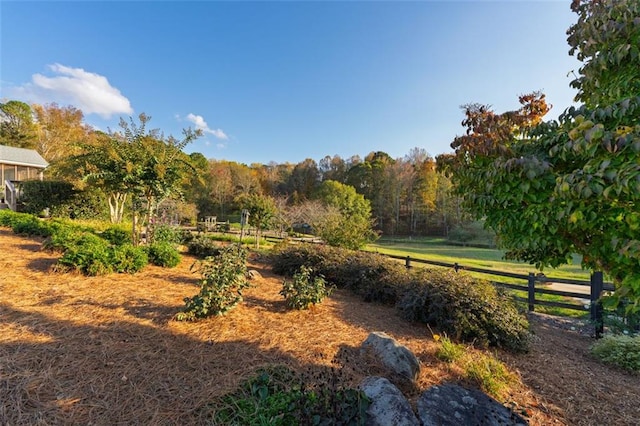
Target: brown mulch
<point>104,350</point>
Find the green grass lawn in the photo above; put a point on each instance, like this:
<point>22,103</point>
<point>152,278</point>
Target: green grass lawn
<point>436,249</point>
<point>486,258</point>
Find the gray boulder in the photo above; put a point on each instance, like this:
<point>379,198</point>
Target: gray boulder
<point>396,357</point>
<point>453,405</point>
<point>388,405</point>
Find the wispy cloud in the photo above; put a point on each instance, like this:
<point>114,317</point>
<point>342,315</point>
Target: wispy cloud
<point>90,92</point>
<point>199,122</point>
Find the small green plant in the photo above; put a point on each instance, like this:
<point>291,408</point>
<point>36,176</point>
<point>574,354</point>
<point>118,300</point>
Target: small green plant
<point>620,350</point>
<point>276,395</point>
<point>448,351</point>
<point>163,254</point>
<point>305,289</point>
<point>223,280</point>
<point>489,374</point>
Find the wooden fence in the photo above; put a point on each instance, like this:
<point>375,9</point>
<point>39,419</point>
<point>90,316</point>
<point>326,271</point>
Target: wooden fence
<point>596,285</point>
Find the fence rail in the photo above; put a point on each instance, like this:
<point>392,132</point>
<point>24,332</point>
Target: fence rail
<point>596,285</point>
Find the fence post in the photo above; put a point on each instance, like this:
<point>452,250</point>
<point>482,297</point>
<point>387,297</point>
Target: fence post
<point>531,286</point>
<point>407,262</point>
<point>597,312</point>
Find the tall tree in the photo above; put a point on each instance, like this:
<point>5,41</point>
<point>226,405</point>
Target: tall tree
<point>262,210</point>
<point>60,130</point>
<point>17,127</point>
<point>304,180</point>
<point>333,168</point>
<point>221,186</point>
<point>572,185</point>
<point>348,222</point>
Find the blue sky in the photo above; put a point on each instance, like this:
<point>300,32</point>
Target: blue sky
<point>285,81</point>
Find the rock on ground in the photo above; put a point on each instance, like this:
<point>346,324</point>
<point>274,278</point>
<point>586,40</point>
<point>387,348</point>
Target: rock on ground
<point>453,405</point>
<point>388,405</point>
<point>398,358</point>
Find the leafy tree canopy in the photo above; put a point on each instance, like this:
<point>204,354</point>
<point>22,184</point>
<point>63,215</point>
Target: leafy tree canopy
<point>554,188</point>
<point>348,222</point>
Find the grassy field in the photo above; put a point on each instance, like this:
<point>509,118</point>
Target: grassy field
<point>436,249</point>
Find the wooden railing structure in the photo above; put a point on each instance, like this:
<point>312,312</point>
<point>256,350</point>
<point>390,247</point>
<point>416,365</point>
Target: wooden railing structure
<point>596,285</point>
<point>10,195</point>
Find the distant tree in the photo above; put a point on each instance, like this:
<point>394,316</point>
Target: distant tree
<point>17,127</point>
<point>333,168</point>
<point>368,177</point>
<point>262,210</point>
<point>220,185</point>
<point>60,130</point>
<point>348,222</point>
<point>304,180</point>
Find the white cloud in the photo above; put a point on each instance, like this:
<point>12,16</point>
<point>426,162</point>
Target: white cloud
<point>90,92</point>
<point>199,122</point>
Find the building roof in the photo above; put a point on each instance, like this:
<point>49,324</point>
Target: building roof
<point>21,157</point>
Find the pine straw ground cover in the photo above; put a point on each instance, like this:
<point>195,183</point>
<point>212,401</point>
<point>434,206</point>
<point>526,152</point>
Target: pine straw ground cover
<point>104,350</point>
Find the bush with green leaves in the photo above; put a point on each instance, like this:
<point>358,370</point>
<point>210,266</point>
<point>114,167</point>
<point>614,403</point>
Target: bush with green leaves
<point>8,217</point>
<point>27,224</point>
<point>305,289</point>
<point>63,238</point>
<point>620,350</point>
<point>89,254</point>
<point>203,246</point>
<point>117,234</point>
<point>36,195</point>
<point>127,258</point>
<point>367,274</point>
<point>464,307</point>
<point>163,254</point>
<point>167,234</point>
<point>277,395</point>
<point>223,278</point>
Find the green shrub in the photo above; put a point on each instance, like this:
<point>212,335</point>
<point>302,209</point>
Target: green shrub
<point>89,254</point>
<point>8,217</point>
<point>64,237</point>
<point>163,254</point>
<point>465,308</point>
<point>117,234</point>
<point>305,289</point>
<point>36,195</point>
<point>367,274</point>
<point>620,350</point>
<point>127,258</point>
<point>278,396</point>
<point>203,246</point>
<point>27,224</point>
<point>84,204</point>
<point>223,280</point>
<point>167,234</point>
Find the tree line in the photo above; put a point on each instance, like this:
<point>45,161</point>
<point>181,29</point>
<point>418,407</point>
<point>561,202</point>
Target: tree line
<point>407,196</point>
